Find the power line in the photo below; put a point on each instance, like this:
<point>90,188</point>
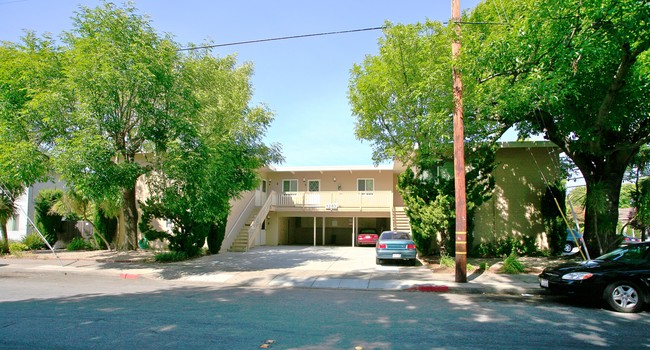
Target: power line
<point>281,38</point>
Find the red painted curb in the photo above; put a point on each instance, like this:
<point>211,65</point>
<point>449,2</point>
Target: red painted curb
<point>429,289</point>
<point>129,276</point>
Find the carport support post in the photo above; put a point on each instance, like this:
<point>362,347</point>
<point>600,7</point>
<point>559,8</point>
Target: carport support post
<point>323,230</point>
<point>314,231</point>
<point>354,229</point>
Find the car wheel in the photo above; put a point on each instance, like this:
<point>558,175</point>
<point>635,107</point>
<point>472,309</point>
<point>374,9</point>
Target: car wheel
<point>378,261</point>
<point>624,297</point>
<point>568,247</point>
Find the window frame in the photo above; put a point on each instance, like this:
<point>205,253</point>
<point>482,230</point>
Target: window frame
<point>290,181</point>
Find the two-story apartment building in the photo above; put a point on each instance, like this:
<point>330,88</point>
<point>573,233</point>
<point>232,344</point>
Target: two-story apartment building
<point>329,205</point>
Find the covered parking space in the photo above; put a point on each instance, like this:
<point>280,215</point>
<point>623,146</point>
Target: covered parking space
<point>327,230</point>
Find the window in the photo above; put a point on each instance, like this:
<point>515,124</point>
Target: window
<point>365,185</point>
<point>313,185</point>
<point>290,185</point>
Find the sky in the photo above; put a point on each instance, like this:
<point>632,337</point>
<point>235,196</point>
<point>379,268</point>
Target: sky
<point>303,81</point>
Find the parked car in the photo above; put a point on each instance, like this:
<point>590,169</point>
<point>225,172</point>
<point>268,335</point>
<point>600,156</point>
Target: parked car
<point>621,278</point>
<point>573,239</point>
<point>627,238</point>
<point>367,236</point>
<point>395,245</point>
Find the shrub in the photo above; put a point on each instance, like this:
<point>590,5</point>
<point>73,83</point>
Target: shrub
<point>79,243</point>
<point>15,247</point>
<point>33,241</point>
<point>447,261</point>
<point>48,223</point>
<point>172,256</point>
<point>512,265</point>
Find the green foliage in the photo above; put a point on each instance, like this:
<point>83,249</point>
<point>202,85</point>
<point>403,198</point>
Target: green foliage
<point>173,256</point>
<point>104,225</point>
<point>447,261</point>
<point>216,235</point>
<point>48,222</point>
<point>512,265</point>
<point>16,247</point>
<point>33,241</point>
<point>402,100</point>
<point>79,243</point>
<point>576,72</point>
<point>505,246</point>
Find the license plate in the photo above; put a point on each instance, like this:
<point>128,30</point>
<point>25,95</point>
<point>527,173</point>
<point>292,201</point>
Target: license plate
<point>543,283</point>
<point>397,256</point>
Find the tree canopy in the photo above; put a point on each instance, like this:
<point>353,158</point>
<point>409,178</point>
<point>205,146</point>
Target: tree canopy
<point>402,100</point>
<point>114,102</point>
<point>576,72</point>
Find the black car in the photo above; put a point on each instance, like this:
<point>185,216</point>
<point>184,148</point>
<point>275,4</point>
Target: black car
<point>621,277</point>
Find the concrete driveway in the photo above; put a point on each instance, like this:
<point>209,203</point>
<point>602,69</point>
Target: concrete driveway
<point>300,266</point>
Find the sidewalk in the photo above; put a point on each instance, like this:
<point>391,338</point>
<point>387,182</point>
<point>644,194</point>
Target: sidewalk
<point>277,267</point>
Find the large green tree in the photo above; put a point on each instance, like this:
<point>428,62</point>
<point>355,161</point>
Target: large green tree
<point>213,160</point>
<point>123,96</point>
<point>26,68</point>
<point>577,72</point>
<point>402,100</point>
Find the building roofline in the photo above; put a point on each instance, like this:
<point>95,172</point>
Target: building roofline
<point>527,144</point>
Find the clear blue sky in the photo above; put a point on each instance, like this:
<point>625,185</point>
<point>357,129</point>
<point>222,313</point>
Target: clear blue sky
<point>304,81</point>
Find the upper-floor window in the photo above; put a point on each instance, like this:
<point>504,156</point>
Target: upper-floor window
<point>290,185</point>
<point>313,185</point>
<point>365,185</point>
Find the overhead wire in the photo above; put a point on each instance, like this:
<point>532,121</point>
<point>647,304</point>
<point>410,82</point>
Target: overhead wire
<point>281,38</point>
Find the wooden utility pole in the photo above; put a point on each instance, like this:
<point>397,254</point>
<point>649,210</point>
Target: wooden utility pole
<point>459,152</point>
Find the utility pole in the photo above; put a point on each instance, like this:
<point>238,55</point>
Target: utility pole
<point>459,152</point>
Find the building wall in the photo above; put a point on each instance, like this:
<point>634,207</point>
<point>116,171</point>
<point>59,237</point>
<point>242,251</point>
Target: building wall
<point>514,209</point>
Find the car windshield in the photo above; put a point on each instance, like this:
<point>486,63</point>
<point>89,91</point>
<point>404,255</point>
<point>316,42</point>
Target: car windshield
<point>394,235</point>
<point>627,254</point>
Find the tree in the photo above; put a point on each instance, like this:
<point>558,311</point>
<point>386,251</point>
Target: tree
<point>214,160</point>
<point>25,69</point>
<point>122,98</point>
<point>402,100</point>
<point>576,72</point>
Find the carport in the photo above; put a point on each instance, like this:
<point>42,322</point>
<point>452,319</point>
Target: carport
<point>332,231</point>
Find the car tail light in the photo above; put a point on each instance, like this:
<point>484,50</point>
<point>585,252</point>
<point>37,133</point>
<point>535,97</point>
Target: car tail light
<point>410,246</point>
<point>381,245</point>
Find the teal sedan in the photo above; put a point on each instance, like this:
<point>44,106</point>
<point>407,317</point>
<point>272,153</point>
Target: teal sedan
<point>395,245</point>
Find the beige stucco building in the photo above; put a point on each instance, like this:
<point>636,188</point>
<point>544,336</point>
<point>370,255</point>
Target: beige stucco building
<point>329,205</point>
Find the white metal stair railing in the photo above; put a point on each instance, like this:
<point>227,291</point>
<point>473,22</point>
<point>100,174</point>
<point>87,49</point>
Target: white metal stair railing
<point>256,225</point>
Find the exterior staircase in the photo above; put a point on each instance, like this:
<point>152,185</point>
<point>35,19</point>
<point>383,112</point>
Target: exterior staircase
<point>400,220</point>
<point>240,244</point>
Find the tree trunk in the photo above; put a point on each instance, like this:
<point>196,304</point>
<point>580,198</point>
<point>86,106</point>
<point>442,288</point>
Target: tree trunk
<point>130,214</point>
<point>601,210</point>
<point>4,245</point>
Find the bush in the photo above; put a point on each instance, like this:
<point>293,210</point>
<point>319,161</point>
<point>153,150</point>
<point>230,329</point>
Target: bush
<point>512,265</point>
<point>79,243</point>
<point>33,241</point>
<point>48,223</point>
<point>172,256</point>
<point>447,261</point>
<point>15,247</point>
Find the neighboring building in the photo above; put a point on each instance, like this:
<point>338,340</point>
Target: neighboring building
<point>329,205</point>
